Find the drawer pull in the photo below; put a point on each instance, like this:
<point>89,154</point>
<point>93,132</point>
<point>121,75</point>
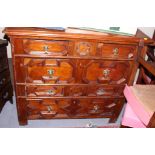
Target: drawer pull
<point>46,49</point>
<point>51,92</point>
<point>49,108</point>
<point>115,51</point>
<point>6,95</point>
<point>130,55</point>
<point>100,92</point>
<point>84,53</point>
<point>50,72</point>
<point>106,73</point>
<point>96,107</point>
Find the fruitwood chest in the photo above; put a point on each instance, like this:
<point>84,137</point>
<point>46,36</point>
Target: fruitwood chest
<point>61,75</point>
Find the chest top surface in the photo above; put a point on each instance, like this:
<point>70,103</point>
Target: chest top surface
<point>45,33</point>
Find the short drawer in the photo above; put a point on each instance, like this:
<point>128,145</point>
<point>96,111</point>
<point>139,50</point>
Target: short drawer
<point>45,91</point>
<point>4,78</point>
<point>85,48</point>
<point>117,51</point>
<point>46,48</point>
<point>106,72</point>
<point>70,108</point>
<point>49,71</point>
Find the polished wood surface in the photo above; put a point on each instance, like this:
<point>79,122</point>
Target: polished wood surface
<point>6,91</point>
<point>65,75</point>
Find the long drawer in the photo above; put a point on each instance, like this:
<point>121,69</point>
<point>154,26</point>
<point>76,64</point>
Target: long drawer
<point>73,91</point>
<point>71,71</point>
<point>71,108</point>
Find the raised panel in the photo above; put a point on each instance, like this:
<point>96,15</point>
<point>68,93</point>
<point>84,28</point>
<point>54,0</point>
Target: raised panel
<point>44,47</point>
<point>116,51</point>
<point>49,70</point>
<point>108,72</point>
<point>84,48</point>
<point>44,91</point>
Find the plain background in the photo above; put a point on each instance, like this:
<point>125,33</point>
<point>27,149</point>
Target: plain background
<point>85,13</point>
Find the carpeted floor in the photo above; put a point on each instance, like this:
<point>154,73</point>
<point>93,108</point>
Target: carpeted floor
<point>8,119</point>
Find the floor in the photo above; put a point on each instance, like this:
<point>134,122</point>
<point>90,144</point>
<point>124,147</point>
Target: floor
<point>8,119</point>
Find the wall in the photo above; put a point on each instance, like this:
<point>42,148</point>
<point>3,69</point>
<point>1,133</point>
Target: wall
<point>147,30</point>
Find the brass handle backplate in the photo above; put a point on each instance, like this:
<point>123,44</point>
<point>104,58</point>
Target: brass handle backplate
<point>106,73</point>
<point>96,107</point>
<point>100,92</point>
<point>49,108</point>
<point>115,51</point>
<point>51,92</point>
<point>50,72</point>
<point>130,55</point>
<point>46,49</point>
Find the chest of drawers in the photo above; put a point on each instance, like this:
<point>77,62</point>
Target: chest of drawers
<point>6,91</point>
<point>65,75</point>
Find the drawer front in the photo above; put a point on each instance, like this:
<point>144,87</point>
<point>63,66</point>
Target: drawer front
<point>106,72</point>
<point>4,78</point>
<point>74,91</point>
<point>117,51</point>
<point>70,108</point>
<point>72,71</point>
<point>49,71</point>
<point>45,91</point>
<point>44,47</point>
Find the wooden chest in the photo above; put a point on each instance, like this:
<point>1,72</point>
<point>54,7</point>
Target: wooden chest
<point>6,91</point>
<point>68,75</point>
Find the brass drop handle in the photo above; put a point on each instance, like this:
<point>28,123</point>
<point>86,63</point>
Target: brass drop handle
<point>100,92</point>
<point>106,73</point>
<point>96,107</point>
<point>46,49</point>
<point>130,55</point>
<point>49,109</point>
<point>51,92</point>
<point>50,72</point>
<point>115,51</point>
<point>84,53</point>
